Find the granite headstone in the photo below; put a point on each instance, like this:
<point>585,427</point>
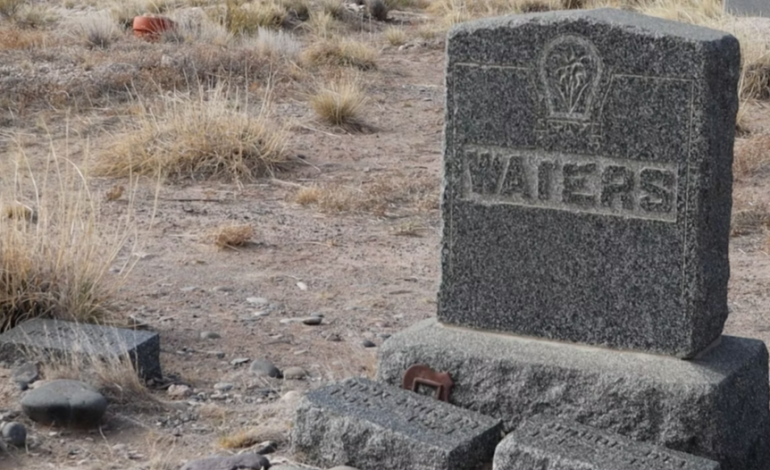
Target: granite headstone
<point>548,444</point>
<point>587,179</point>
<point>371,426</point>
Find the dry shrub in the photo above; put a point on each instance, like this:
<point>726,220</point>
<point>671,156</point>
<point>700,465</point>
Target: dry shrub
<point>9,8</point>
<point>396,36</point>
<point>377,9</point>
<point>323,24</point>
<point>197,27</point>
<point>344,52</point>
<point>98,29</point>
<point>55,252</point>
<point>339,102</point>
<point>15,38</point>
<point>701,12</point>
<point>232,235</point>
<point>375,196</point>
<point>333,8</point>
<point>247,18</point>
<point>275,44</point>
<point>752,156</point>
<point>754,218</point>
<point>199,136</point>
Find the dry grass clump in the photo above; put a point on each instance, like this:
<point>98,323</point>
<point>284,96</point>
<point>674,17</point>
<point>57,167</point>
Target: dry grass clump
<point>339,103</point>
<point>16,38</point>
<point>333,8</point>
<point>274,44</point>
<point>55,255</point>
<point>340,52</point>
<point>323,25</point>
<point>396,36</point>
<point>232,235</point>
<point>247,17</point>
<point>98,29</point>
<point>9,8</point>
<point>751,219</point>
<point>752,156</point>
<point>702,12</point>
<point>387,193</point>
<point>199,136</point>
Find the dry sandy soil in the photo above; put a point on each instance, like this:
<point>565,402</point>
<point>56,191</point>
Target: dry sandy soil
<point>370,272</point>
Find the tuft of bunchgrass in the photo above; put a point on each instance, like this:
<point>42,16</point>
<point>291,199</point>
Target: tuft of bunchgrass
<point>396,36</point>
<point>340,52</point>
<point>274,44</point>
<point>9,8</point>
<point>55,251</point>
<point>752,156</point>
<point>247,18</point>
<point>203,135</point>
<point>232,235</point>
<point>333,8</point>
<point>339,103</point>
<point>98,29</point>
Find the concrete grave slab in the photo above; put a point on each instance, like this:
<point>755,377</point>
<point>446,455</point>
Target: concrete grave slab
<point>62,337</point>
<point>548,444</point>
<point>371,426</point>
<point>715,406</point>
<point>587,179</point>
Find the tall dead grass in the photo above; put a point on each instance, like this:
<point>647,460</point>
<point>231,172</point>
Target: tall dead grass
<point>208,134</point>
<point>55,248</point>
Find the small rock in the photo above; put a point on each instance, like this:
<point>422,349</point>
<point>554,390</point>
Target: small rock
<point>179,391</point>
<point>264,368</point>
<point>239,360</point>
<point>250,461</point>
<point>223,289</point>
<point>223,386</point>
<point>261,313</point>
<point>217,354</point>
<point>367,344</point>
<point>15,434</point>
<point>188,289</point>
<point>294,373</point>
<point>291,396</point>
<point>65,403</point>
<point>257,300</point>
<point>302,285</point>
<point>25,374</point>
<point>312,320</point>
<point>210,335</point>
<point>267,447</point>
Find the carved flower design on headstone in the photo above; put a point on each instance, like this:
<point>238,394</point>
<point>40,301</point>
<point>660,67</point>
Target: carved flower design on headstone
<point>570,69</point>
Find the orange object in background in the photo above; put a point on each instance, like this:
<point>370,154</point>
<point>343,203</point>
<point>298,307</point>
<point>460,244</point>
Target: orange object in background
<point>151,27</point>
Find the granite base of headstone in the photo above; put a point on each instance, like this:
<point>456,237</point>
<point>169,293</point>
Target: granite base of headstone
<point>714,406</point>
<point>64,339</point>
<point>548,444</point>
<point>373,426</point>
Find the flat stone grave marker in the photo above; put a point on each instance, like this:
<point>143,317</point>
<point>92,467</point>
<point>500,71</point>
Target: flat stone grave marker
<point>371,426</point>
<point>587,179</point>
<point>748,7</point>
<point>65,338</point>
<point>548,444</point>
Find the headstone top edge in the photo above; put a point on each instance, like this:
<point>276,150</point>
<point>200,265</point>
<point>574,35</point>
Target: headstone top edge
<point>36,323</point>
<point>637,23</point>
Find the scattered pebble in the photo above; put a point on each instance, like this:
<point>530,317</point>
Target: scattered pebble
<point>300,352</point>
<point>210,335</point>
<point>261,313</point>
<point>257,300</point>
<point>264,368</point>
<point>15,434</point>
<point>368,344</point>
<point>217,354</point>
<point>188,289</point>
<point>312,320</point>
<point>239,360</point>
<point>294,373</point>
<point>302,285</point>
<point>179,391</point>
<point>223,386</point>
<point>291,396</point>
<point>25,374</point>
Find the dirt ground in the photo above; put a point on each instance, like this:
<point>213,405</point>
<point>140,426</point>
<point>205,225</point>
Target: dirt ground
<point>369,273</point>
